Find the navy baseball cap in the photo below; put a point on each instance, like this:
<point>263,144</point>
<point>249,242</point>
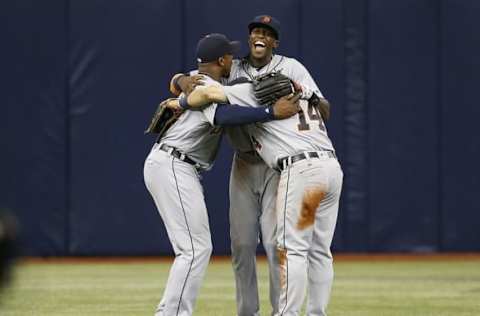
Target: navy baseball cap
<point>265,21</point>
<point>214,46</point>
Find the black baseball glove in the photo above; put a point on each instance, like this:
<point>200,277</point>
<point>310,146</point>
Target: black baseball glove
<point>270,87</point>
<point>162,119</point>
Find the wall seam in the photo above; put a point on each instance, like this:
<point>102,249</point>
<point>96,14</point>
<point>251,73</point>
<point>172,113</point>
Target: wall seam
<point>344,128</point>
<point>440,209</point>
<point>300,27</point>
<point>183,32</point>
<point>366,21</point>
<point>67,101</point>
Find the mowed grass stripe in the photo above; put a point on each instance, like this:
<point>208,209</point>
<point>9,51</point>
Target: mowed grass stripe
<point>423,288</point>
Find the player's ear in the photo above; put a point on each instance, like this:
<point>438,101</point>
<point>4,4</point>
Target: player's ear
<point>221,61</point>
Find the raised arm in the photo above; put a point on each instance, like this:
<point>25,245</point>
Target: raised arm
<point>185,83</point>
<point>310,91</point>
<point>234,114</point>
<point>204,95</point>
<point>199,97</point>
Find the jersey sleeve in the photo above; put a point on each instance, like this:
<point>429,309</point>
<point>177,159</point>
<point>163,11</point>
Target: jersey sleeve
<point>209,113</point>
<point>300,75</point>
<point>209,109</point>
<point>241,94</point>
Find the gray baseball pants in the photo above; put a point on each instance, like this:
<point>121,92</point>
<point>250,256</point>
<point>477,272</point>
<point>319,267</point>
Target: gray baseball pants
<point>178,195</point>
<point>253,188</point>
<point>307,209</point>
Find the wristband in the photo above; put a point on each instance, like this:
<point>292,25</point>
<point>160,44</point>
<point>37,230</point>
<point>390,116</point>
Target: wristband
<point>183,102</point>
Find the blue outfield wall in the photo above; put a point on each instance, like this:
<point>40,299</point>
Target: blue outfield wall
<point>403,132</point>
<point>80,80</point>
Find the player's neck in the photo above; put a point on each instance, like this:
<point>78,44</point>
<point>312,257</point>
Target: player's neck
<point>260,62</point>
<point>213,72</point>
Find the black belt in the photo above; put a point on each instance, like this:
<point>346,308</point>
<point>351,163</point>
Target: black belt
<point>175,153</point>
<point>284,162</point>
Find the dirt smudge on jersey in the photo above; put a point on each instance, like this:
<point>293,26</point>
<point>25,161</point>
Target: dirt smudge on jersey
<point>311,201</point>
<point>282,261</point>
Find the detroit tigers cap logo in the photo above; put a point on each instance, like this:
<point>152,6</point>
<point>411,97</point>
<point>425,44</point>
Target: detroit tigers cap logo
<point>266,19</point>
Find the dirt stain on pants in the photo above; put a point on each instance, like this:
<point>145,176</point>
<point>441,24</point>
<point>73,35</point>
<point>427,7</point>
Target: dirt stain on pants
<point>311,201</point>
<point>282,258</point>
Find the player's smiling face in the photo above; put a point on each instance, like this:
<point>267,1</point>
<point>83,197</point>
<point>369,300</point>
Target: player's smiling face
<point>262,42</point>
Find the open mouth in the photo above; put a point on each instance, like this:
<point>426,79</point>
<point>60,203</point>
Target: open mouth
<point>259,46</point>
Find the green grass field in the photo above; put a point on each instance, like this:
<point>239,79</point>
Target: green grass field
<point>442,287</point>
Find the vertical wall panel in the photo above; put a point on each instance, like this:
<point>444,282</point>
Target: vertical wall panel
<point>32,123</point>
<point>322,53</point>
<point>122,56</point>
<point>460,145</point>
<point>403,105</point>
<point>355,124</point>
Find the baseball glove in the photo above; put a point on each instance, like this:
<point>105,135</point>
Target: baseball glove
<point>162,119</point>
<point>270,87</point>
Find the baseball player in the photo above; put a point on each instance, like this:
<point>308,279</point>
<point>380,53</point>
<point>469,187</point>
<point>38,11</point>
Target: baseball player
<point>307,200</point>
<point>253,185</point>
<point>171,175</point>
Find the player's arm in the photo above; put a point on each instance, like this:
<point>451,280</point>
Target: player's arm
<point>241,94</point>
<point>234,114</point>
<point>243,105</point>
<point>310,91</point>
<point>185,82</point>
<point>198,98</point>
<point>204,95</point>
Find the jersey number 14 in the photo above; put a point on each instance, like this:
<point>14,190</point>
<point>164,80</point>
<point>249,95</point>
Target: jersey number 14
<point>313,115</point>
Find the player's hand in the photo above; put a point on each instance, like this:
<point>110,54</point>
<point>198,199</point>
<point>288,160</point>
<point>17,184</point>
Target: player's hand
<point>322,105</point>
<point>188,83</point>
<point>286,106</point>
<point>173,104</point>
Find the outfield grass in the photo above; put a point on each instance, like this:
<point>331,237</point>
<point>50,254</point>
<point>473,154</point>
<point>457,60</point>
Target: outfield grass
<point>444,287</point>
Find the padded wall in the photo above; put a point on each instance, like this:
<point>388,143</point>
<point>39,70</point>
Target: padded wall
<point>80,80</point>
<point>460,144</point>
<point>33,138</point>
<point>119,70</point>
<point>403,131</point>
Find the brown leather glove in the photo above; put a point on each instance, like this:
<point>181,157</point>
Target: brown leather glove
<point>162,119</point>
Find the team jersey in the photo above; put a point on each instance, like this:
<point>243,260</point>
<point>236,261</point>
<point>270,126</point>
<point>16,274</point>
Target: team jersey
<point>290,67</point>
<point>194,133</point>
<point>273,140</point>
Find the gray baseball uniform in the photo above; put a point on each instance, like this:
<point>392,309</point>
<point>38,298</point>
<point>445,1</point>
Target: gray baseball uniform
<point>253,190</point>
<point>307,201</point>
<point>171,177</point>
